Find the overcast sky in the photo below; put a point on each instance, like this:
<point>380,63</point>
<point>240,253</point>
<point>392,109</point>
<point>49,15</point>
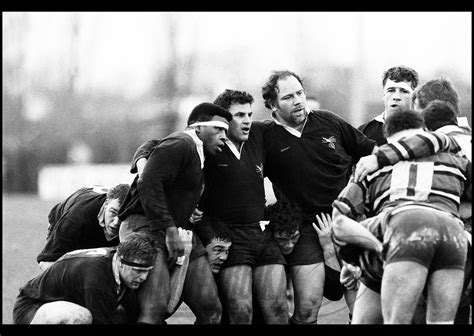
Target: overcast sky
<point>120,51</point>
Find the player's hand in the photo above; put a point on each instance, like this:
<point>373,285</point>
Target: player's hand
<point>365,166</point>
<point>196,216</point>
<point>350,276</point>
<point>324,228</point>
<point>174,244</point>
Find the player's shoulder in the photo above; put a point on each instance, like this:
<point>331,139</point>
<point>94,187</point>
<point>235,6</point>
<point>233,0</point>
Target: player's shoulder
<point>326,115</point>
<point>177,140</point>
<point>100,253</point>
<point>371,124</point>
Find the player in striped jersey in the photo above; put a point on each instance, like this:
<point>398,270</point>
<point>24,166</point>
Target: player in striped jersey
<point>417,204</point>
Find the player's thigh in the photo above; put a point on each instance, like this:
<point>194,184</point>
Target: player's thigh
<point>236,283</point>
<point>200,283</point>
<point>62,312</point>
<point>367,308</point>
<point>308,281</point>
<point>269,282</point>
<point>444,293</point>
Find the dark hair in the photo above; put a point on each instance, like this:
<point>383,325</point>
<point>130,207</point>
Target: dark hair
<point>270,88</point>
<point>138,246</point>
<point>119,191</point>
<point>436,89</point>
<point>230,97</point>
<point>437,114</point>
<point>401,120</point>
<point>207,111</point>
<point>284,216</point>
<point>209,228</point>
<point>401,74</point>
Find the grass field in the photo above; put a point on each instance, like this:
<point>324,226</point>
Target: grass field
<point>25,221</point>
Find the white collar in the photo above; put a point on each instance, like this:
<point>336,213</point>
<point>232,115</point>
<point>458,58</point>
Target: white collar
<point>233,148</point>
<point>448,129</point>
<point>291,130</point>
<point>198,142</point>
<point>380,118</point>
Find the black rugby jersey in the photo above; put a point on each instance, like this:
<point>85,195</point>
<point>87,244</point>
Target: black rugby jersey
<point>374,130</point>
<point>313,169</point>
<point>76,225</point>
<point>170,185</point>
<point>84,277</point>
<point>234,189</point>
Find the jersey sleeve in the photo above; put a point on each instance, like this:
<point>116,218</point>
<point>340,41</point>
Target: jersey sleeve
<point>357,143</point>
<point>161,169</point>
<point>142,152</point>
<point>416,146</point>
<point>64,238</point>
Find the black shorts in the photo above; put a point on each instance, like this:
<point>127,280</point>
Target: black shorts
<point>252,246</point>
<point>307,249</point>
<point>135,223</point>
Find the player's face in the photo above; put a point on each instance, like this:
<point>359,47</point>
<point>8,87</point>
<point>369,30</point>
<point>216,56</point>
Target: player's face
<point>396,95</point>
<point>286,240</point>
<point>213,137</point>
<point>290,107</point>
<point>239,127</point>
<point>111,220</point>
<point>132,276</point>
<point>217,253</point>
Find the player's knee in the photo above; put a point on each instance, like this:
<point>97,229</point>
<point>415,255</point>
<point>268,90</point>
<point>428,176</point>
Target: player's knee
<point>211,307</point>
<point>82,316</point>
<point>240,311</point>
<point>60,312</point>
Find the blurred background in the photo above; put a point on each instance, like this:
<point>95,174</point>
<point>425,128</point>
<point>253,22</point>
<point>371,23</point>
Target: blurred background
<point>82,90</point>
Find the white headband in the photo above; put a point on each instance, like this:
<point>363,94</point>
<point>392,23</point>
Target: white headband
<point>215,123</point>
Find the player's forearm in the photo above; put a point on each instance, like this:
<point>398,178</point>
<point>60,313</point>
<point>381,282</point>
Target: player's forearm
<point>348,231</point>
<point>330,257</point>
<point>415,146</point>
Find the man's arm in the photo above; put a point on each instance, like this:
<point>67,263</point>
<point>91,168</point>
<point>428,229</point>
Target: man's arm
<point>348,231</point>
<point>413,147</point>
<point>141,154</point>
<point>324,236</point>
<point>160,170</point>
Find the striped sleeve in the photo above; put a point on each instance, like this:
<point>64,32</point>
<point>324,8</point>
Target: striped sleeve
<point>416,146</point>
<point>353,199</point>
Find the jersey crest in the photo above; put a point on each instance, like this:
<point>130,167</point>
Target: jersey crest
<point>259,169</point>
<point>331,141</point>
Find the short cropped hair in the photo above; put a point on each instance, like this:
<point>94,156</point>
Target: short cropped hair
<point>118,192</point>
<point>284,216</point>
<point>270,89</point>
<point>401,74</point>
<point>138,246</point>
<point>401,120</point>
<point>436,89</point>
<point>439,113</point>
<point>207,111</point>
<point>230,97</point>
<point>210,227</point>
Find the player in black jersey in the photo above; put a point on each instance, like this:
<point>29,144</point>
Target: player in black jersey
<point>86,286</point>
<point>309,157</point>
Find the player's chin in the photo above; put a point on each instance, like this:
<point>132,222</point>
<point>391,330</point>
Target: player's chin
<point>135,284</point>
